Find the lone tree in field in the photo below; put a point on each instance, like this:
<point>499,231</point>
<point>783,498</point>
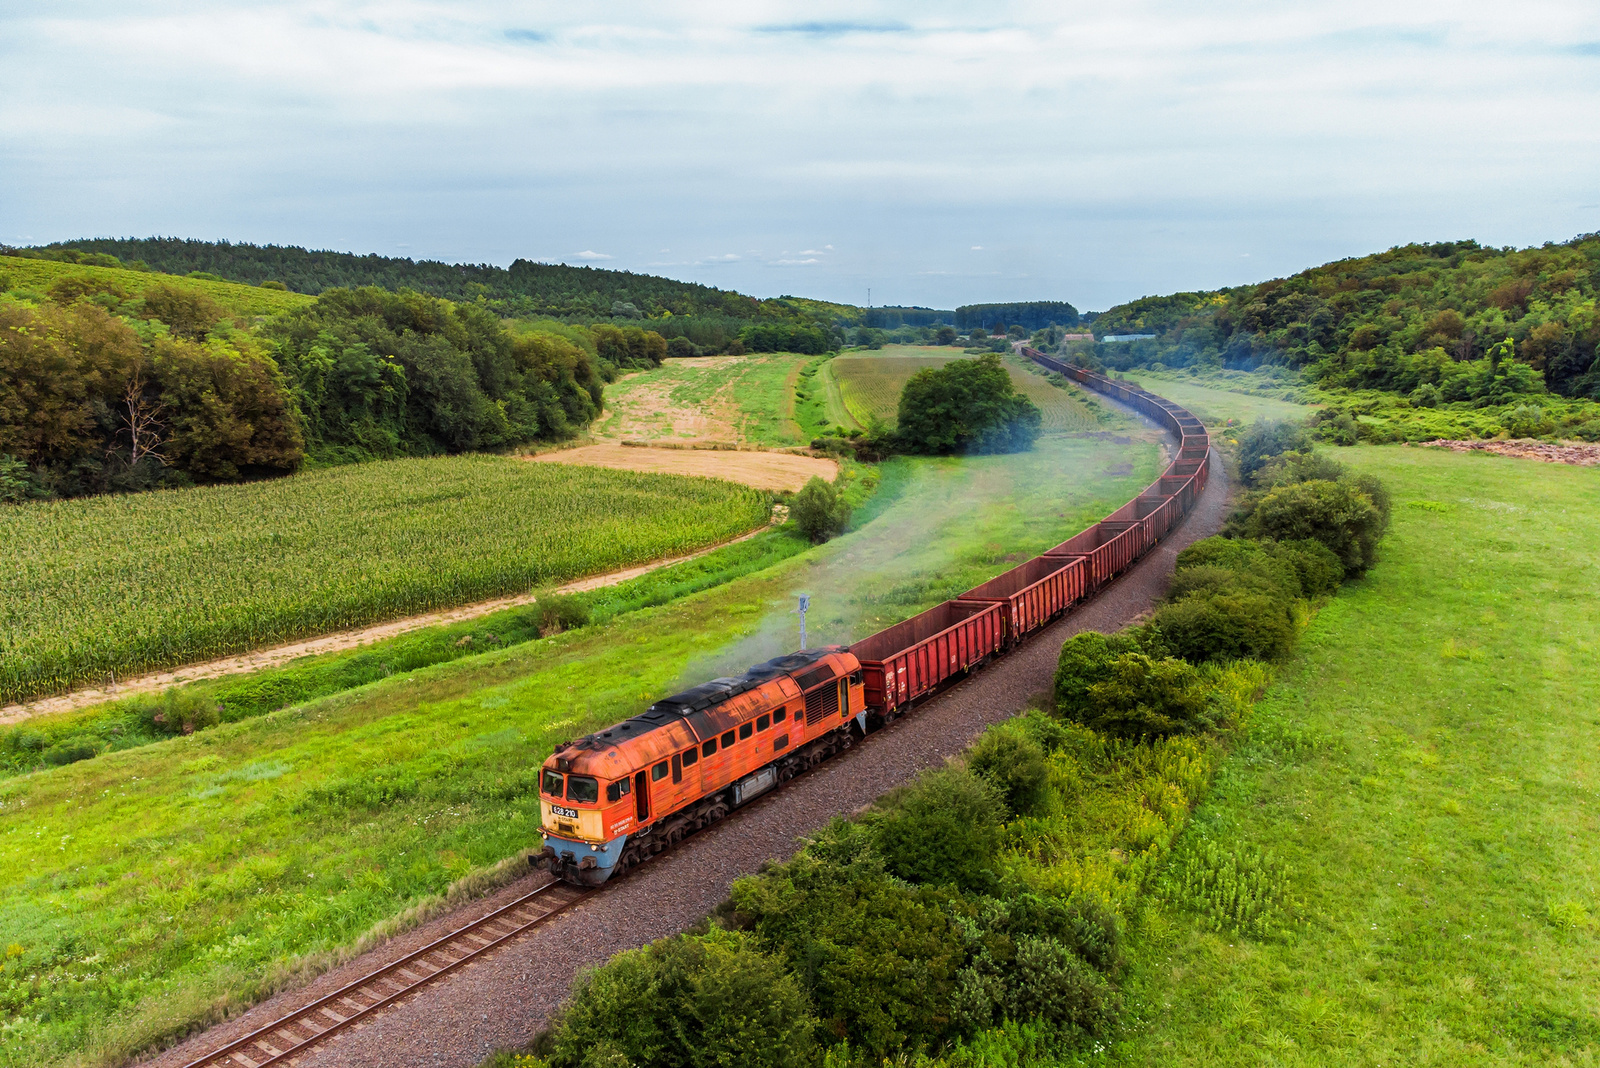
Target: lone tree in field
<point>966,406</point>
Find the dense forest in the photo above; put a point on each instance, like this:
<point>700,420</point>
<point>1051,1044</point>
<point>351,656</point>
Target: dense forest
<point>117,380</point>
<point>1030,315</point>
<point>1441,323</point>
<point>525,289</point>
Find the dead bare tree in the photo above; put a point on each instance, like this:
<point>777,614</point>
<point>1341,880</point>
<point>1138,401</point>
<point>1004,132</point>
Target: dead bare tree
<point>144,422</point>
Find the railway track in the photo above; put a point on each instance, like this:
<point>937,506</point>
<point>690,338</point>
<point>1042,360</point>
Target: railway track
<point>291,1035</point>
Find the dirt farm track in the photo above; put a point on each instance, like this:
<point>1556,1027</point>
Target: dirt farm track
<point>763,470</point>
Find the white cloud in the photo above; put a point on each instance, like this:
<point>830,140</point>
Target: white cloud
<point>589,254</point>
<point>1109,150</point>
<point>793,263</point>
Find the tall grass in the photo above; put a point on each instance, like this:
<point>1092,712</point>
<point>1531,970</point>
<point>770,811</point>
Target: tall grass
<point>135,583</point>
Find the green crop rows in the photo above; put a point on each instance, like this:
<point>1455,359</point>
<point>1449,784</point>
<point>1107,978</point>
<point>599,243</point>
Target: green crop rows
<point>140,582</point>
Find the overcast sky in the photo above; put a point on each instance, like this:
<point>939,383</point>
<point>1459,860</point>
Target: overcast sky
<point>938,153</point>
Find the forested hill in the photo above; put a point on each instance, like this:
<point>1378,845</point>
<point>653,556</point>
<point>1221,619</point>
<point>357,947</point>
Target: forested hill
<point>1397,320</point>
<point>526,288</point>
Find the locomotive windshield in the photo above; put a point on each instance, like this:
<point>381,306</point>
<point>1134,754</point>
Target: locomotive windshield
<point>582,789</point>
<point>552,783</point>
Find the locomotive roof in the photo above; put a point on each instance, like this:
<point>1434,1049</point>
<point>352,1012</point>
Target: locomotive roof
<point>699,698</point>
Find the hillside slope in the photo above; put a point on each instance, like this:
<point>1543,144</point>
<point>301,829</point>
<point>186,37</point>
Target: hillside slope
<point>1395,320</point>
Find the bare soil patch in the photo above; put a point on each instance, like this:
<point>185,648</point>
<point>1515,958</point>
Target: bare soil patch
<point>1583,454</point>
<point>763,470</point>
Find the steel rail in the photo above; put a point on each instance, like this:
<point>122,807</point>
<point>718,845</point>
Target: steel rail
<point>292,1034</point>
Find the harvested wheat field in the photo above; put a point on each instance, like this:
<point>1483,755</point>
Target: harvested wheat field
<point>763,470</point>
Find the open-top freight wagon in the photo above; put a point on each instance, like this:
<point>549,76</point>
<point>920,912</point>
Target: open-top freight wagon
<point>611,799</point>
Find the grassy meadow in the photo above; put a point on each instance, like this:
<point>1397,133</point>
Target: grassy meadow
<point>133,583</point>
<point>869,385</point>
<point>26,274</point>
<point>147,890</point>
<point>748,399</point>
<point>1419,794</point>
<point>1215,404</point>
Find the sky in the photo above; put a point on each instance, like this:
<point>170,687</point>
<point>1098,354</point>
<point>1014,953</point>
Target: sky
<point>932,153</point>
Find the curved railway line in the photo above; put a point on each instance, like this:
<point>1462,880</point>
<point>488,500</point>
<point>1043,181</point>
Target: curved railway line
<point>1107,549</point>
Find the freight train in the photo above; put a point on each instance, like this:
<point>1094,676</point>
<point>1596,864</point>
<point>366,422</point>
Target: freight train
<point>615,798</point>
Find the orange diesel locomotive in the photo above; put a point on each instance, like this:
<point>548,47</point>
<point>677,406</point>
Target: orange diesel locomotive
<point>609,800</point>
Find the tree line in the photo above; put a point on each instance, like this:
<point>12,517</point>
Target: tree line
<point>526,289</point>
<point>1452,321</point>
<point>1030,315</point>
<point>108,389</point>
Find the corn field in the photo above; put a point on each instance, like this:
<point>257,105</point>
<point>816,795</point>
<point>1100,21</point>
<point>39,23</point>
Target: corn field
<point>137,583</point>
<point>871,385</point>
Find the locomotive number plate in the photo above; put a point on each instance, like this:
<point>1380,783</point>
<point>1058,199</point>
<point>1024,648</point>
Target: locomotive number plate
<point>570,813</point>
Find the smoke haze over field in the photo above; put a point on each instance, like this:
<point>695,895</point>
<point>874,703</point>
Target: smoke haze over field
<point>938,153</point>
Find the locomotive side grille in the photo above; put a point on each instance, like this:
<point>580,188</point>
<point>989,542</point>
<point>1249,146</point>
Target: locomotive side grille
<point>821,703</point>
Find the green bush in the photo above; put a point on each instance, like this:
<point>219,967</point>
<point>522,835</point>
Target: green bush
<point>1085,661</point>
<point>1105,683</point>
<point>944,830</point>
<point>878,957</point>
<point>690,1001</point>
<point>1050,982</point>
<point>1264,441</point>
<point>1341,515</point>
<point>1298,467</point>
<point>820,510</point>
<point>1219,624</point>
<point>1317,568</point>
<point>175,712</point>
<point>67,753</point>
<point>1334,427</point>
<point>1014,763</point>
<point>558,612</point>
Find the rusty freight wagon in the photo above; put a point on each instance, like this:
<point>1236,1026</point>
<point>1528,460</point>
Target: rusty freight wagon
<point>1034,593</point>
<point>911,659</point>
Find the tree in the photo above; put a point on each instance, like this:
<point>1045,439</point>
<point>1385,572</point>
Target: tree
<point>820,510</point>
<point>966,406</point>
<point>61,369</point>
<point>229,409</point>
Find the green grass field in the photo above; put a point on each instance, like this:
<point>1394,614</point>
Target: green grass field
<point>146,890</point>
<point>869,385</point>
<point>1216,405</point>
<point>1425,773</point>
<point>39,275</point>
<point>748,399</point>
<point>133,583</point>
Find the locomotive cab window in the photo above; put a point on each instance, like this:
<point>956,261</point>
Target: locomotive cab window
<point>658,772</point>
<point>616,791</point>
<point>554,783</point>
<point>780,715</point>
<point>690,756</point>
<point>583,789</point>
<point>763,722</point>
<point>727,739</point>
<point>745,731</point>
<point>709,748</point>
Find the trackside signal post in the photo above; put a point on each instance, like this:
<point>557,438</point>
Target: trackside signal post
<point>805,603</point>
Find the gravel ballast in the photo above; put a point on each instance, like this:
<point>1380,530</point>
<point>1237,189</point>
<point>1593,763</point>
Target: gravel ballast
<point>505,999</point>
